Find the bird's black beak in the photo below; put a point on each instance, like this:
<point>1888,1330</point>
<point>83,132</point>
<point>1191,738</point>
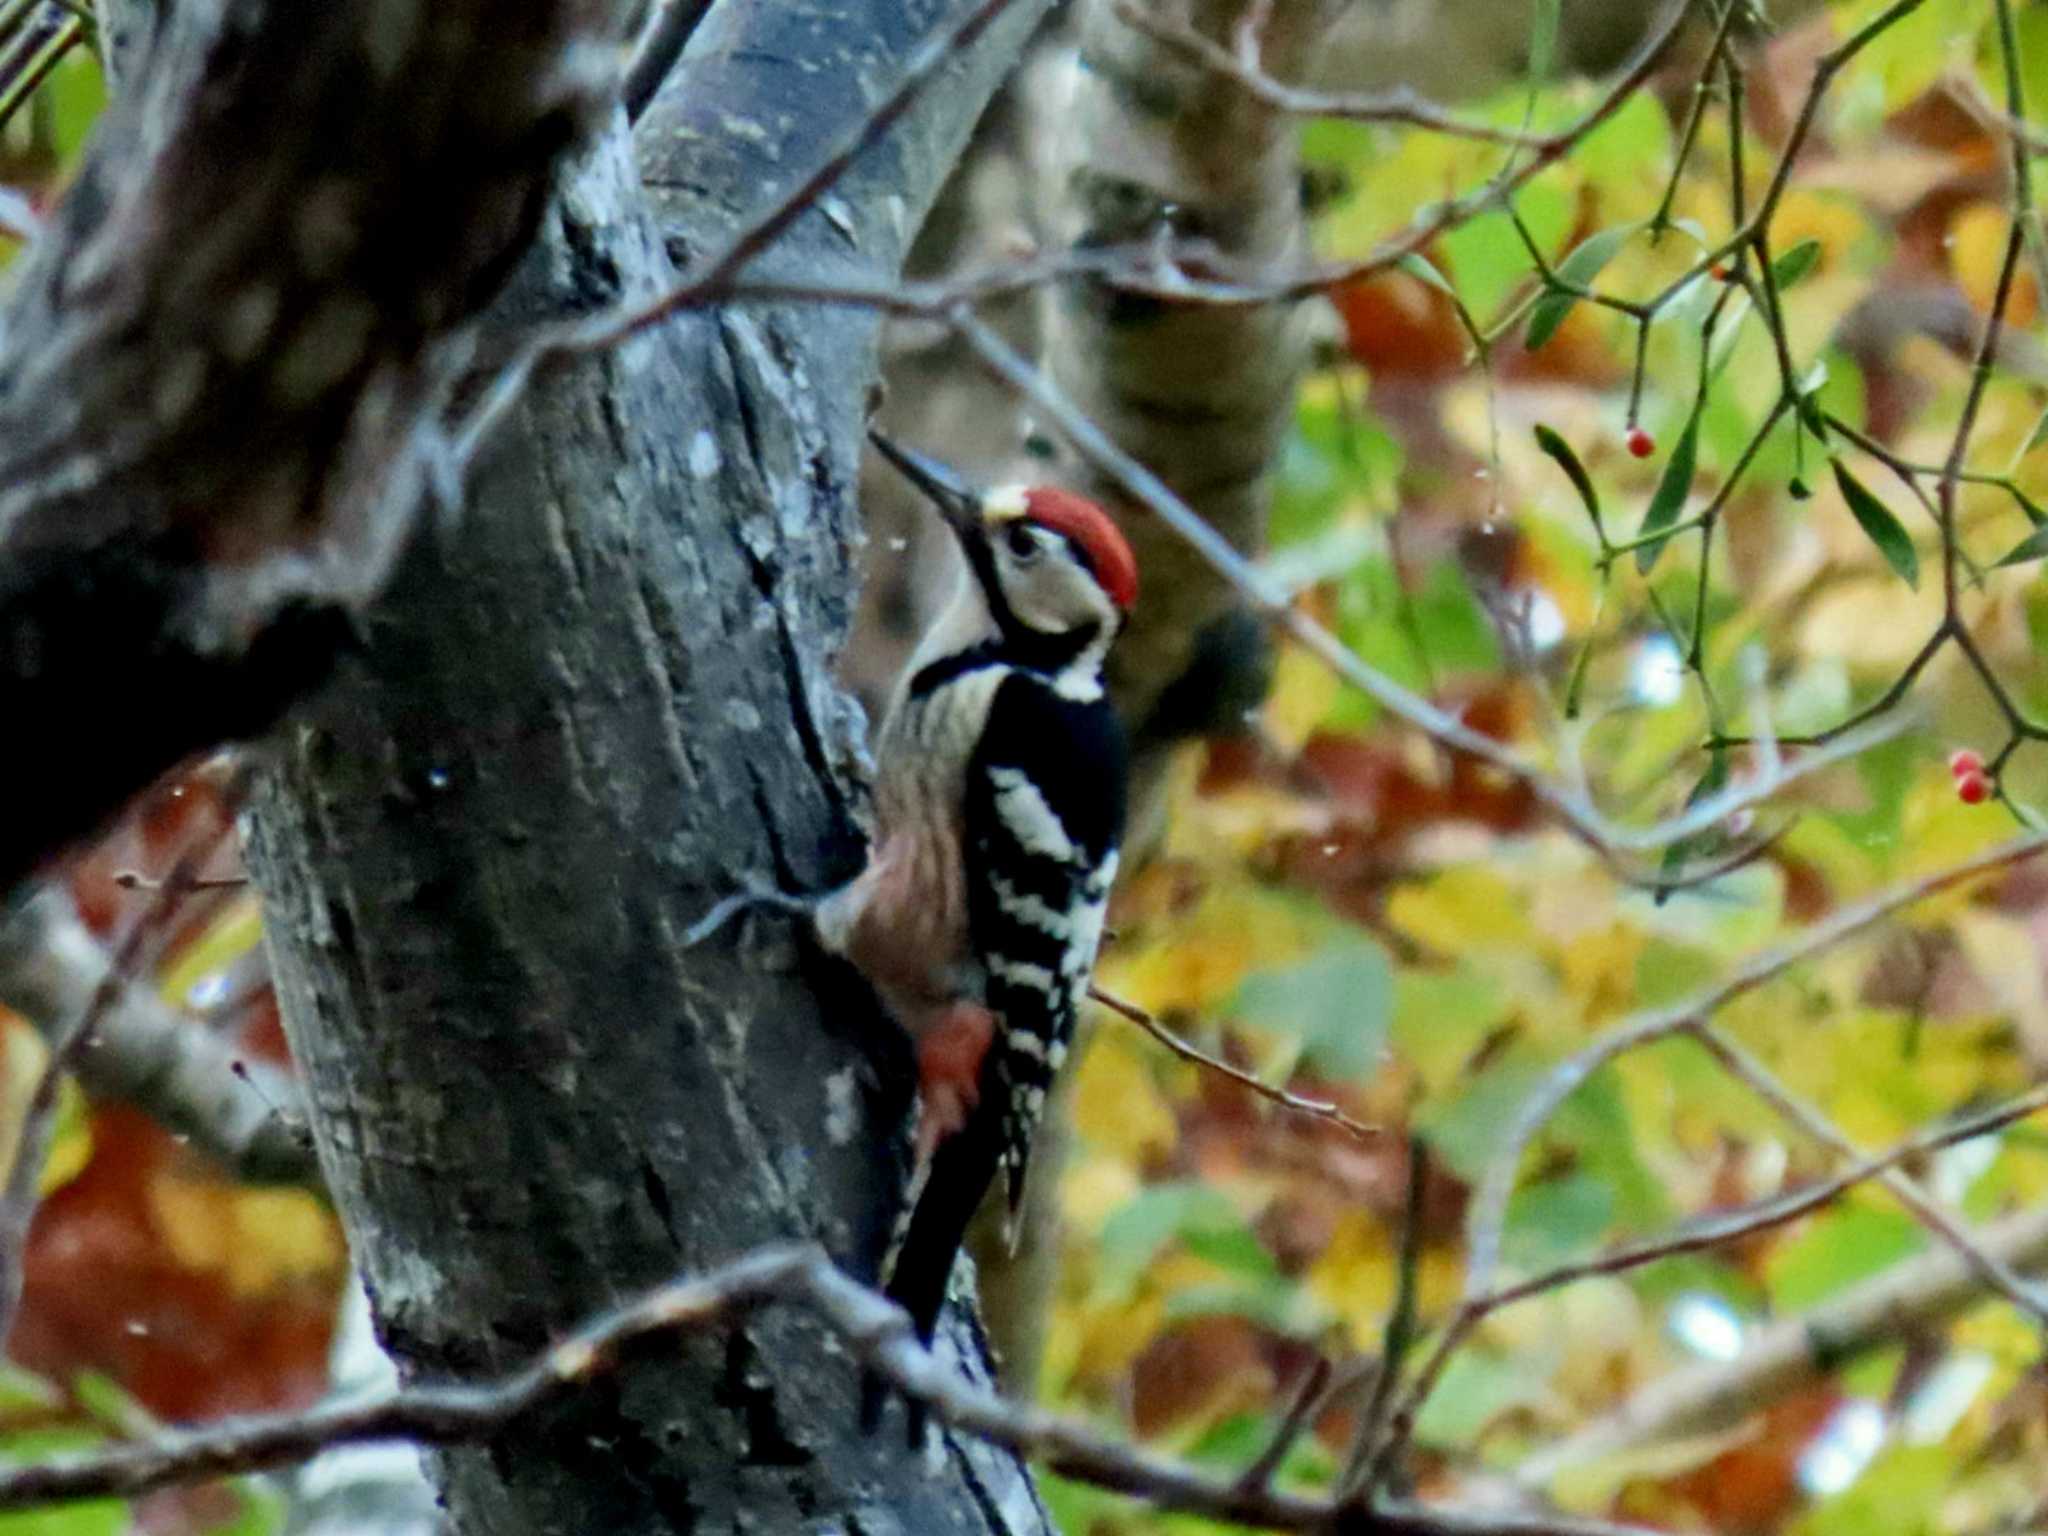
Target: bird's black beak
<point>957,501</point>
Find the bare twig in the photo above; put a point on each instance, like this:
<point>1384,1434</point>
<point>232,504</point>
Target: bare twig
<point>1316,1109</point>
<point>247,1114</point>
<point>1728,1226</point>
<point>710,278</point>
<point>716,272</point>
<point>1400,105</point>
<point>136,880</point>
<point>1542,153</point>
<point>879,1335</point>
<point>1977,1254</point>
<point>709,284</point>
<point>1797,1351</point>
<point>1163,274</point>
<point>1307,1397</point>
<point>1486,1222</point>
<point>34,44</point>
<point>1743,1066</point>
<point>716,279</point>
<point>1361,1479</point>
<point>1489,1204</point>
<point>1722,1227</point>
<point>1611,841</point>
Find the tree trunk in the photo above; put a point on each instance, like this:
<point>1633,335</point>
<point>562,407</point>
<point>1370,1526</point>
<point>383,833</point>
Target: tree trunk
<point>599,704</point>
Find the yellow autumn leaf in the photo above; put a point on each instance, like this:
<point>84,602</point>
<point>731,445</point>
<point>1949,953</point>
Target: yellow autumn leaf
<point>1093,1189</point>
<point>232,934</point>
<point>1833,220</point>
<point>1198,961</point>
<point>22,1055</point>
<point>1459,909</point>
<point>1844,621</point>
<point>1354,1278</point>
<point>2022,1171</point>
<point>1598,969</point>
<point>70,1141</point>
<point>1094,1346</point>
<point>1936,831</point>
<point>1304,689</point>
<point>1976,251</point>
<point>2007,1336</point>
<point>1878,1075</point>
<point>1117,1106</point>
<point>258,1238</point>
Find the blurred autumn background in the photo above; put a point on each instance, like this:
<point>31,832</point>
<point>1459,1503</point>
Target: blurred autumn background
<point>1663,510</point>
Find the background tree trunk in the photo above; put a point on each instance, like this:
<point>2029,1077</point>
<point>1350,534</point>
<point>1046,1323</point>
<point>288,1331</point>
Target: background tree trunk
<point>1158,145</point>
<point>599,704</point>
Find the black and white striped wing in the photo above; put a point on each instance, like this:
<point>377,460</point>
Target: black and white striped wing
<point>1044,816</point>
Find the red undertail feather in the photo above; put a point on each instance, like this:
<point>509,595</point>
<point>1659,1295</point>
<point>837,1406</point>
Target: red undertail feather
<point>949,1061</point>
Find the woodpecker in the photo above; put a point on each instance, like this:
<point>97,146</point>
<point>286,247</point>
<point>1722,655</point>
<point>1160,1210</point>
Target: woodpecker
<point>999,807</point>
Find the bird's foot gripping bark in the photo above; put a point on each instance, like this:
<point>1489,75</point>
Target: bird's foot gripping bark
<point>751,898</point>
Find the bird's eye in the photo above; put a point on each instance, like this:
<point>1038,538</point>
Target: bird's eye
<point>1022,541</point>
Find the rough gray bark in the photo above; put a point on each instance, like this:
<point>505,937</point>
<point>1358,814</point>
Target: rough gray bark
<point>600,704</point>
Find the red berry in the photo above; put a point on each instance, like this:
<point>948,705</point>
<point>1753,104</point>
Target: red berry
<point>1973,788</point>
<point>1963,760</point>
<point>1640,443</point>
<point>1718,273</point>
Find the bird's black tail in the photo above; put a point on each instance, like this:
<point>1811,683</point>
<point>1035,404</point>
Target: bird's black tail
<point>928,1238</point>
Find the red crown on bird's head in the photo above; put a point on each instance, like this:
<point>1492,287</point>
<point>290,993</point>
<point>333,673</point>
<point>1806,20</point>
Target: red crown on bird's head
<point>1093,532</point>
